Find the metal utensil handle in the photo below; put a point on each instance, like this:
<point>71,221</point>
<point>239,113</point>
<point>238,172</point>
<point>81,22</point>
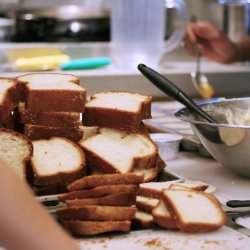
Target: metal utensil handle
<point>238,203</point>
<point>172,90</point>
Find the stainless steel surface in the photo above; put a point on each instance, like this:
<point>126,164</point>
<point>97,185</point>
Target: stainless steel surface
<point>229,140</point>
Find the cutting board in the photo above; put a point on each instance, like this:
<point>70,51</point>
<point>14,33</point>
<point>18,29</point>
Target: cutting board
<point>223,239</point>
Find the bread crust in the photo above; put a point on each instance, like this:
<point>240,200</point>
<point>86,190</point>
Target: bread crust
<point>37,132</point>
<point>99,192</point>
<point>192,227</point>
<point>28,143</point>
<point>60,177</point>
<point>118,199</point>
<point>96,213</point>
<point>107,179</point>
<point>96,227</point>
<point>139,222</point>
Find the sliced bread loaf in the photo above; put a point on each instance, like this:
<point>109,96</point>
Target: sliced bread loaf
<point>117,151</point>
<point>52,165</point>
<point>49,119</point>
<point>16,150</point>
<point>194,211</point>
<point>52,92</point>
<point>99,192</point>
<point>96,213</point>
<point>8,97</point>
<point>37,132</point>
<point>118,199</point>
<point>96,227</point>
<point>118,110</point>
<point>107,179</point>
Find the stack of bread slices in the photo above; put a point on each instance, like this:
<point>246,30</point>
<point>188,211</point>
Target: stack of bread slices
<point>100,203</point>
<point>122,143</point>
<point>181,206</point>
<point>51,105</point>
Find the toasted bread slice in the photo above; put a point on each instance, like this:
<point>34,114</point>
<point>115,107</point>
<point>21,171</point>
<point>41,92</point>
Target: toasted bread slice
<point>99,192</point>
<point>37,132</point>
<point>163,217</point>
<point>143,219</point>
<point>8,97</point>
<point>96,227</point>
<point>51,165</point>
<point>96,213</point>
<point>194,211</point>
<point>16,149</point>
<point>52,92</point>
<point>107,179</point>
<point>118,199</point>
<point>49,119</point>
<point>116,151</point>
<point>118,110</point>
<point>146,204</point>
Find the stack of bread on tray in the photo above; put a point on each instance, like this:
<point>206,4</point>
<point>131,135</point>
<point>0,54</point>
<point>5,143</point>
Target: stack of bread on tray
<point>97,153</point>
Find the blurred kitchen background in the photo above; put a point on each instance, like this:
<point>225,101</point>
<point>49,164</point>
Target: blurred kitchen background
<point>82,28</point>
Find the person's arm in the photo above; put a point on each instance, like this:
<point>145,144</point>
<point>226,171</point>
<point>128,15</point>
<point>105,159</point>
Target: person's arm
<point>214,44</point>
<point>25,224</point>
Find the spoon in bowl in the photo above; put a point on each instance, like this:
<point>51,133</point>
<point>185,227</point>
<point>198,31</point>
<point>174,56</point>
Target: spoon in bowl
<point>172,90</point>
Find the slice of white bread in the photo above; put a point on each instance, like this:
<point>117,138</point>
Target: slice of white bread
<point>77,227</point>
<point>87,132</point>
<point>99,192</point>
<point>57,160</point>
<point>143,220</point>
<point>107,179</point>
<point>163,217</point>
<point>118,199</point>
<point>146,204</point>
<point>194,211</point>
<point>50,119</point>
<point>185,186</point>
<point>52,92</point>
<point>117,151</point>
<point>8,97</point>
<point>37,132</point>
<point>118,110</point>
<point>96,213</point>
<point>153,189</point>
<point>15,150</point>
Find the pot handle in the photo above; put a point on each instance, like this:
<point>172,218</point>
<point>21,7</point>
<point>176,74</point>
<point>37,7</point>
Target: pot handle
<point>175,39</point>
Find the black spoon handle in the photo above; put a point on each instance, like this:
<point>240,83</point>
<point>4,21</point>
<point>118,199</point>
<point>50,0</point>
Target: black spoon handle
<point>172,90</point>
<point>238,203</point>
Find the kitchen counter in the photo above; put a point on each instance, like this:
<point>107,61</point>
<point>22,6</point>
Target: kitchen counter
<point>228,80</point>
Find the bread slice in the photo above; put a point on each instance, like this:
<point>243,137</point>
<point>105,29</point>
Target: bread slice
<point>37,132</point>
<point>185,186</point>
<point>88,132</point>
<point>118,110</point>
<point>153,189</point>
<point>116,151</point>
<point>118,199</point>
<point>52,92</point>
<point>50,119</point>
<point>57,160</point>
<point>146,204</point>
<point>107,179</point>
<point>194,211</point>
<point>8,97</point>
<point>143,220</point>
<point>163,217</point>
<point>16,150</point>
<point>99,192</point>
<point>96,213</point>
<point>77,227</point>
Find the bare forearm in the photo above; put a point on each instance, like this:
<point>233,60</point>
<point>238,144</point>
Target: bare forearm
<point>25,223</point>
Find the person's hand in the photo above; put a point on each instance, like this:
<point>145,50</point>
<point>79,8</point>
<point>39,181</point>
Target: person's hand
<point>211,42</point>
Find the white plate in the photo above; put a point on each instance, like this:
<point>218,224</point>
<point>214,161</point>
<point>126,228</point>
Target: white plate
<point>224,239</point>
